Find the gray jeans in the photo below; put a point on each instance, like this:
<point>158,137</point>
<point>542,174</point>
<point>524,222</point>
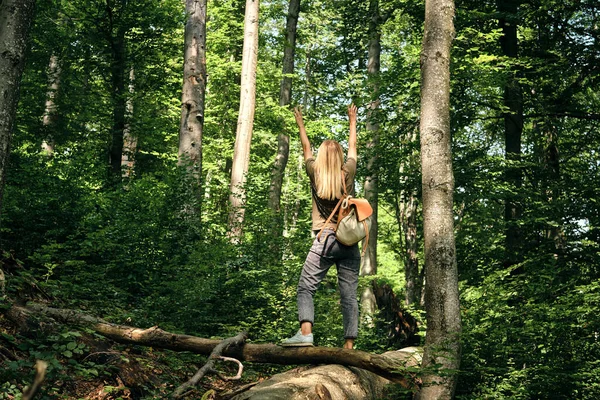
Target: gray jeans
<point>321,257</point>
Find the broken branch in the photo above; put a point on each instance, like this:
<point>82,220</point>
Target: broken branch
<point>209,366</point>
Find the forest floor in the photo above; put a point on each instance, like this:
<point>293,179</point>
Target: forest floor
<point>85,365</point>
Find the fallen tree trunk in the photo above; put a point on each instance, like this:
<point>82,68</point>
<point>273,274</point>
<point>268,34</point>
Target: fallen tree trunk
<point>396,367</point>
<point>326,382</point>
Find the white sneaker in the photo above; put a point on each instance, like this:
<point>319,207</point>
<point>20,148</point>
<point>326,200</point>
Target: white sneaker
<point>298,340</point>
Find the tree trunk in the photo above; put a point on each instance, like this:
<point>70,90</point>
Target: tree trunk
<point>552,178</point>
<point>285,94</point>
<point>411,261</point>
<point>49,118</point>
<point>369,261</point>
<point>15,22</point>
<point>243,137</point>
<point>401,327</point>
<point>513,129</point>
<point>194,88</point>
<point>391,365</point>
<point>415,278</point>
<point>442,345</point>
<point>326,382</point>
<point>406,214</point>
<point>293,210</point>
<point>307,75</point>
<point>283,139</point>
<point>129,141</point>
<point>119,97</point>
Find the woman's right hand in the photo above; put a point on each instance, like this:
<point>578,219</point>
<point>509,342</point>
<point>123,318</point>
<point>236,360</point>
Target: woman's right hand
<point>352,112</point>
<point>303,137</point>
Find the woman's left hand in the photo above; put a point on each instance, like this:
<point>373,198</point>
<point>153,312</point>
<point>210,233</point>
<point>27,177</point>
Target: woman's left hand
<point>298,116</point>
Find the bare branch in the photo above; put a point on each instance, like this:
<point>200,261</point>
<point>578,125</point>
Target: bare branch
<point>240,369</point>
<point>209,366</point>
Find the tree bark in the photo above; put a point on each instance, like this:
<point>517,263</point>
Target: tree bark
<point>369,261</point>
<point>194,88</point>
<point>407,216</point>
<point>243,137</point>
<point>442,345</point>
<point>129,140</point>
<point>401,327</point>
<point>285,95</point>
<point>15,23</point>
<point>49,118</point>
<point>283,139</point>
<point>292,211</point>
<point>390,367</point>
<point>513,129</point>
<point>326,382</point>
<point>408,221</point>
<point>119,97</point>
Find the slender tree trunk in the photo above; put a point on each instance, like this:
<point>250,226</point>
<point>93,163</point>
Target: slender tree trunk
<point>119,97</point>
<point>49,118</point>
<point>293,210</point>
<point>285,94</point>
<point>442,345</point>
<point>307,77</point>
<point>129,141</point>
<point>369,261</point>
<point>513,128</point>
<point>552,177</point>
<point>243,137</point>
<point>283,139</point>
<point>414,277</point>
<point>406,215</point>
<point>550,159</point>
<point>15,23</point>
<point>194,88</point>
<point>411,260</point>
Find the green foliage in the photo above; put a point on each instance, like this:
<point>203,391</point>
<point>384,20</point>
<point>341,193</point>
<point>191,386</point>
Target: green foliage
<point>154,250</point>
<point>65,354</point>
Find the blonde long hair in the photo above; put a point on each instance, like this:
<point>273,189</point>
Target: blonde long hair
<point>328,170</point>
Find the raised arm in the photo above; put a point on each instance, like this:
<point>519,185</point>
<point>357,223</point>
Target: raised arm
<point>352,153</point>
<point>303,137</point>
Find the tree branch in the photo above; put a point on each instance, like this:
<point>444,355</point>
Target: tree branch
<point>240,369</point>
<point>209,366</point>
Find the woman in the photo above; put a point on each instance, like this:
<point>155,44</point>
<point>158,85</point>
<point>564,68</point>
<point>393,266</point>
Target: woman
<point>326,173</point>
